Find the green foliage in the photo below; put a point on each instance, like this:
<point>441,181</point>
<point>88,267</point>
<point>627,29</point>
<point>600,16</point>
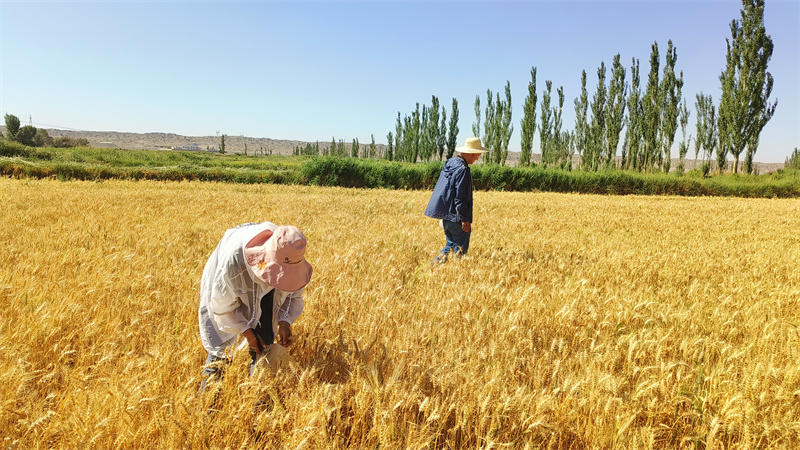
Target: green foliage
<point>355,173</point>
<point>12,126</point>
<point>595,138</point>
<point>744,109</point>
<point>683,115</point>
<point>354,149</point>
<point>506,127</point>
<point>652,106</point>
<point>91,163</point>
<point>793,161</point>
<point>389,147</point>
<point>546,125</point>
<point>476,126</point>
<point>489,126</point>
<point>441,138</point>
<point>581,124</point>
<point>67,142</point>
<point>42,138</point>
<point>452,137</point>
<point>615,112</point>
<point>430,130</point>
<point>632,147</point>
<point>528,122</point>
<point>670,92</point>
<point>25,135</point>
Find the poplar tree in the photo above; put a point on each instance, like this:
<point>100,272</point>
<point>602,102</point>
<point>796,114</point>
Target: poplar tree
<point>632,150</point>
<point>560,142</point>
<point>507,127</point>
<point>12,126</point>
<point>683,116</point>
<point>432,128</point>
<point>651,110</point>
<point>441,140</point>
<point>398,139</point>
<point>528,122</point>
<point>671,97</point>
<point>497,134</point>
<point>707,133</point>
<point>452,138</point>
<point>495,143</point>
<point>746,85</point>
<point>568,137</point>
<point>489,127</point>
<point>546,124</point>
<point>222,144</point>
<point>372,146</point>
<point>425,140</point>
<point>581,125</point>
<point>415,132</point>
<point>598,125</point>
<point>700,123</point>
<point>615,112</point>
<point>408,139</point>
<point>389,147</point>
<point>476,126</point>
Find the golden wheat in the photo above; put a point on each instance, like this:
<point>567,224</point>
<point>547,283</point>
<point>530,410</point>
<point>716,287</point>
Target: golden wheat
<point>576,321</point>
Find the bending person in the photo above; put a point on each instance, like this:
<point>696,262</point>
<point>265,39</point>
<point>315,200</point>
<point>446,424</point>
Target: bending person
<point>252,286</point>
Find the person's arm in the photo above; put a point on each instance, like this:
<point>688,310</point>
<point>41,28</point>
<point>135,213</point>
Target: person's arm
<point>462,184</point>
<point>254,341</point>
<point>288,312</point>
<point>227,294</point>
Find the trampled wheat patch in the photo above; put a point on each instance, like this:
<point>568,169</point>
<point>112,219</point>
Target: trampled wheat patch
<point>576,321</point>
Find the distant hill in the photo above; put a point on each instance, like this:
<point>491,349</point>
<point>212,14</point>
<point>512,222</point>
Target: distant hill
<point>236,144</point>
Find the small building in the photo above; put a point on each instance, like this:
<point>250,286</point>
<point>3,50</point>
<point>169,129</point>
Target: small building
<point>190,147</point>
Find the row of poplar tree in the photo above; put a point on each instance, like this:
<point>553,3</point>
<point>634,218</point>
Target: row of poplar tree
<point>649,116</point>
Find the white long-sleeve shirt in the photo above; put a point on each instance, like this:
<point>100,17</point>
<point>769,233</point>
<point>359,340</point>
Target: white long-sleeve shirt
<point>230,293</point>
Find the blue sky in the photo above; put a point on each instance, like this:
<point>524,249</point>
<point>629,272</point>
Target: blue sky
<point>321,70</point>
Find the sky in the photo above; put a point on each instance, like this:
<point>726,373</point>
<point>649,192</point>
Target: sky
<point>317,71</point>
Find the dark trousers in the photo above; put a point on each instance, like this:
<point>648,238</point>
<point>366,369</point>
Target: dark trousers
<point>457,240</point>
<point>214,368</point>
<point>264,329</point>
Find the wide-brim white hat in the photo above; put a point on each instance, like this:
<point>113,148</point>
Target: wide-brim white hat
<point>472,145</point>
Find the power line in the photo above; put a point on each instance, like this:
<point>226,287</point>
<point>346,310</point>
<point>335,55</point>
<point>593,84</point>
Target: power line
<point>57,126</point>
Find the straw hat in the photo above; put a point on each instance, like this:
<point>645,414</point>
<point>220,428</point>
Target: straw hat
<point>280,260</point>
<point>472,145</point>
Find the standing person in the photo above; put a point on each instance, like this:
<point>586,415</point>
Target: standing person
<point>252,286</point>
<point>452,199</point>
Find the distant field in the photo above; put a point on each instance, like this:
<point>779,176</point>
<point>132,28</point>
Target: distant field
<point>576,322</point>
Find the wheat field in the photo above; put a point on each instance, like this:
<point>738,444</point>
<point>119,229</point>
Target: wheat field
<point>576,322</point>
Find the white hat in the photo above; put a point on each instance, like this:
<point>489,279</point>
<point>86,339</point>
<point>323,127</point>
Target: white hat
<point>472,145</point>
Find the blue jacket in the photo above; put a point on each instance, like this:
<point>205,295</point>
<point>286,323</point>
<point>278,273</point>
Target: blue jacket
<point>452,196</point>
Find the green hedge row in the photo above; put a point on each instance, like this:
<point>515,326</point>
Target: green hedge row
<point>72,171</point>
<point>383,174</point>
<point>100,164</point>
<point>366,173</point>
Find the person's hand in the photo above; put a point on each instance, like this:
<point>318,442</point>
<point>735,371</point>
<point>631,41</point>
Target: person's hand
<point>466,227</point>
<point>284,334</point>
<point>255,342</point>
